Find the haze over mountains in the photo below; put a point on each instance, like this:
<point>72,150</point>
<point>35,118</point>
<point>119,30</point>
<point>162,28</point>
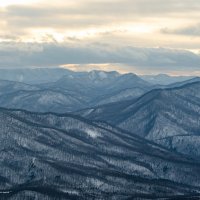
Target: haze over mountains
<point>33,76</point>
<point>72,91</point>
<point>45,75</point>
<point>163,79</point>
<point>60,90</point>
<point>125,137</point>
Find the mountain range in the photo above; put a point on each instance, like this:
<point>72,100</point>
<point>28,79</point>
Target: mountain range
<point>98,135</point>
<point>72,92</point>
<point>45,75</point>
<point>62,156</point>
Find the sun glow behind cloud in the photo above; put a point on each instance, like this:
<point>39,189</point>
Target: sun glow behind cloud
<point>105,27</point>
<point>88,67</point>
<point>44,21</point>
<point>52,35</point>
<point>125,69</point>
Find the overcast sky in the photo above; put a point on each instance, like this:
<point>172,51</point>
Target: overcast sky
<point>141,36</point>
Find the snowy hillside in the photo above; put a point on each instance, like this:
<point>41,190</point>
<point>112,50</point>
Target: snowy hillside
<point>68,157</point>
<point>170,117</point>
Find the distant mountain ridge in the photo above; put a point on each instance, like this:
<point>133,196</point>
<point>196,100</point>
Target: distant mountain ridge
<point>13,86</point>
<point>33,75</point>
<point>164,79</point>
<point>182,83</point>
<point>45,75</point>
<point>74,91</point>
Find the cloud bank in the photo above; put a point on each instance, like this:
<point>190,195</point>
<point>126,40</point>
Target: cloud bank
<point>129,58</point>
<point>142,35</point>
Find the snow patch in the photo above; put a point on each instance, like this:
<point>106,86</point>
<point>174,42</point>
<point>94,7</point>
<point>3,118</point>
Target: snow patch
<point>102,75</point>
<point>5,192</point>
<point>73,192</point>
<point>92,133</point>
<point>71,76</point>
<point>89,111</point>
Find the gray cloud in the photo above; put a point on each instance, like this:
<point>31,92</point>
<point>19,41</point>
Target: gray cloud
<point>188,31</point>
<point>42,55</point>
<point>116,7</point>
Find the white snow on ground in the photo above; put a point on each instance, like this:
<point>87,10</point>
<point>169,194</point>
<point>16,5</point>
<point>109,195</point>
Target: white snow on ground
<point>102,75</point>
<point>88,112</point>
<point>95,182</point>
<point>92,133</point>
<point>8,192</point>
<point>70,191</point>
